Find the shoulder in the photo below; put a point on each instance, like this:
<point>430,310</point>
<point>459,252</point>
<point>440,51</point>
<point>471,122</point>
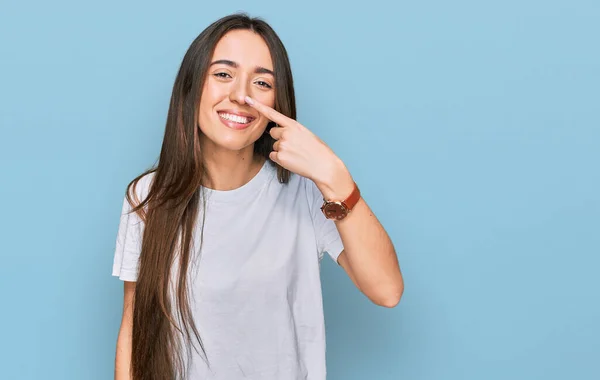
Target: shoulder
<point>139,188</point>
<point>305,189</point>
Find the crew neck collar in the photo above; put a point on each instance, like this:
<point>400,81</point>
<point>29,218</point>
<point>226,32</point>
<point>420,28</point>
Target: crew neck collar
<point>241,193</point>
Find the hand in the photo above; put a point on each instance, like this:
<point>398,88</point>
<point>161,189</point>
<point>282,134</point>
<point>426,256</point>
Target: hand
<point>300,151</point>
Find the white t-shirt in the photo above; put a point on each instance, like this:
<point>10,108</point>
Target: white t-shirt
<point>257,300</point>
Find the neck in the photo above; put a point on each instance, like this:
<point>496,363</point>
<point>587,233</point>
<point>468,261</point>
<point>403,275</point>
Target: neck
<point>229,170</point>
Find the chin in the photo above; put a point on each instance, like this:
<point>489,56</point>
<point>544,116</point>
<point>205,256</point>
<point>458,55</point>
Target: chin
<point>222,138</point>
<point>233,145</point>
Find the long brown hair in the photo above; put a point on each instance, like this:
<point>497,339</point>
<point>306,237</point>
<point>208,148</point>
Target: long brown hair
<point>171,207</point>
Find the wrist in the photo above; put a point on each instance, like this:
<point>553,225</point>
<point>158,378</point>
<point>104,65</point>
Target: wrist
<point>336,183</point>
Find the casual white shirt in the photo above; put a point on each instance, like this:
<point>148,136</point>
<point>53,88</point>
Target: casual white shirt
<point>256,287</point>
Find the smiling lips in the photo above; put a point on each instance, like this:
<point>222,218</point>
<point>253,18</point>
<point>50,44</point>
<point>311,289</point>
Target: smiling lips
<point>237,120</point>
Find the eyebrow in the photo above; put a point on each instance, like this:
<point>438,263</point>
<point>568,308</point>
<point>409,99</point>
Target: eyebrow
<point>257,70</point>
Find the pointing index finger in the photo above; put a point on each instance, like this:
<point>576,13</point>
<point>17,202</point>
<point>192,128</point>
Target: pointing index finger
<point>270,113</point>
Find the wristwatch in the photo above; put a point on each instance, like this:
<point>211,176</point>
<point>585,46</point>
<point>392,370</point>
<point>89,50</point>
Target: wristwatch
<point>338,210</point>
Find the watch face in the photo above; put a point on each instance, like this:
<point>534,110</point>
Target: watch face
<point>335,210</point>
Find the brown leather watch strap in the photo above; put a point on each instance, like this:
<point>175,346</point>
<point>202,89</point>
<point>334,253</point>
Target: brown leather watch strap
<point>353,198</point>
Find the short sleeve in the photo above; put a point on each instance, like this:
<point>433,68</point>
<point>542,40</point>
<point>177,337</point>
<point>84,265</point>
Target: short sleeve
<point>129,239</point>
<point>328,237</point>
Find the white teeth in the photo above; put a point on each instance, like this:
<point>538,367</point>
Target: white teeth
<point>236,118</point>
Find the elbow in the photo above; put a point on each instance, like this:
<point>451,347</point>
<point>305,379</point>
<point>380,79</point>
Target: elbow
<point>390,298</point>
<point>390,302</point>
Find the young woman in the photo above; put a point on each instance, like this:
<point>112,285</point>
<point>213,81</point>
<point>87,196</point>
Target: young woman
<point>220,243</point>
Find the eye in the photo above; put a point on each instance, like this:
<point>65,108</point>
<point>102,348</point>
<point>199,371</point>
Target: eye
<point>263,84</point>
<point>222,75</point>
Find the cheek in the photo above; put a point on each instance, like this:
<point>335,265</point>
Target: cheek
<point>270,101</point>
<point>211,95</point>
<point>265,97</point>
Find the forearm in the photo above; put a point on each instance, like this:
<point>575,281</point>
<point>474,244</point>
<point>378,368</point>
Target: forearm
<point>124,340</point>
<point>369,255</point>
<point>123,355</point>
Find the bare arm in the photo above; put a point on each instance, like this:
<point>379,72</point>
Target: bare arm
<point>369,256</point>
<point>123,355</point>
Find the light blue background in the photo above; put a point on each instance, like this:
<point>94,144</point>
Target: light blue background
<point>472,127</point>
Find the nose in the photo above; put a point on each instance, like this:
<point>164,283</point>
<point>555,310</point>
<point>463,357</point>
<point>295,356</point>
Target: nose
<point>239,91</point>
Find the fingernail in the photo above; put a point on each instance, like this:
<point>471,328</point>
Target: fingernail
<point>249,100</point>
